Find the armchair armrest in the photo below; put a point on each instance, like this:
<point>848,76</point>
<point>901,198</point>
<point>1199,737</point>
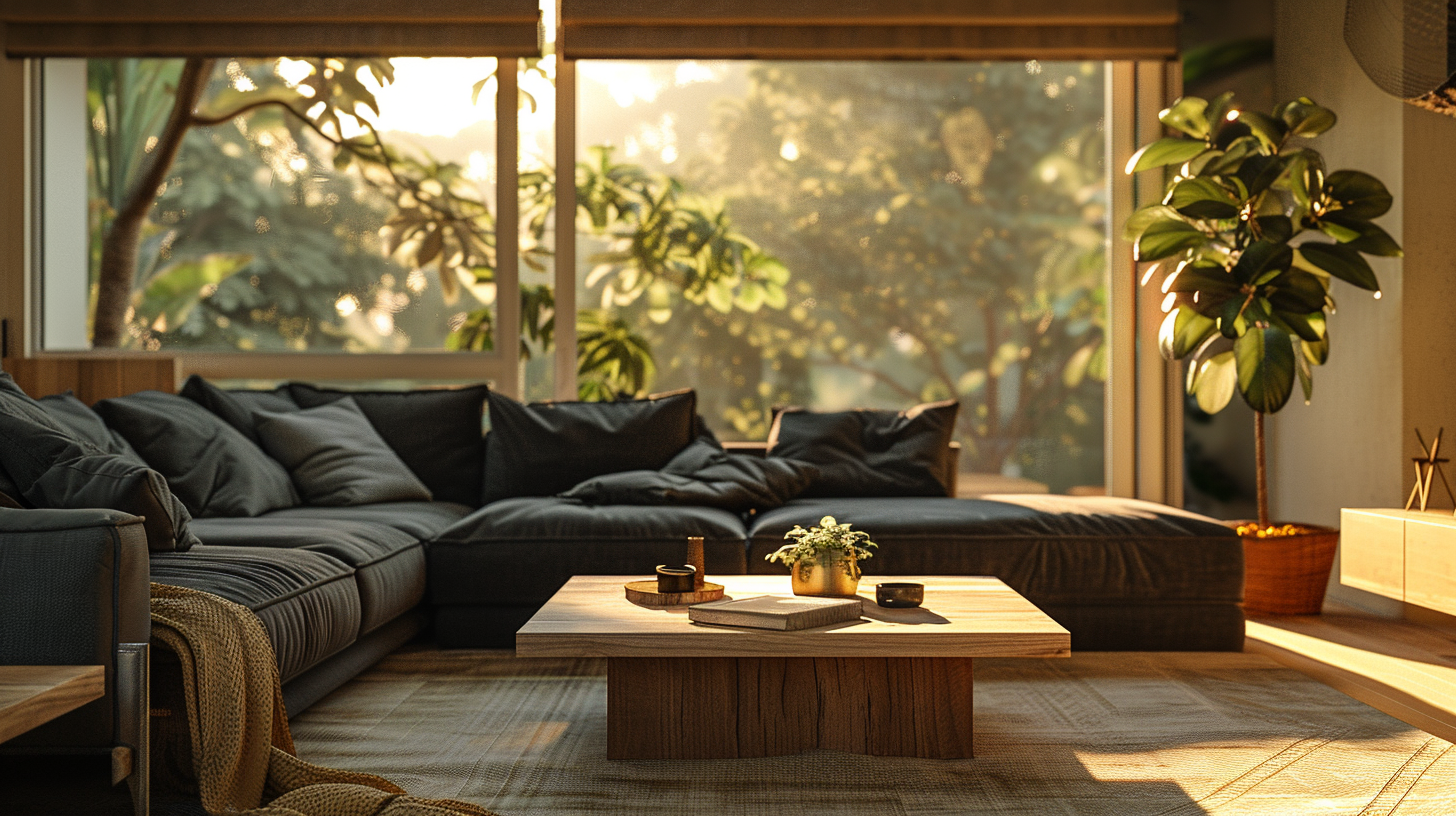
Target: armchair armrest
<point>74,585</point>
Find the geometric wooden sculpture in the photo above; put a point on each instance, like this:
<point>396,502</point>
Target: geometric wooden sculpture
<point>1426,467</point>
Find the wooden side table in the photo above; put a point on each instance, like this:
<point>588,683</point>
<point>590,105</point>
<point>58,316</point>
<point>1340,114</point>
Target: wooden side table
<point>33,695</point>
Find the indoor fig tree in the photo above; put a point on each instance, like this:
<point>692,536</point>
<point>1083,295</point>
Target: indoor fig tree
<point>1250,232</point>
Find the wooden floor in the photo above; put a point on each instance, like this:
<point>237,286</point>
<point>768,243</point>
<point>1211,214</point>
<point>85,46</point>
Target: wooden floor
<point>1405,669</point>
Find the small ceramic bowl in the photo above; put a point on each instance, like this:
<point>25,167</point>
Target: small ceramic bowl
<point>675,578</point>
<point>899,595</point>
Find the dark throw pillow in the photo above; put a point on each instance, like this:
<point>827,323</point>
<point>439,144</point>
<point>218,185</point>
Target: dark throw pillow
<point>85,424</point>
<point>544,448</point>
<point>436,432</point>
<point>236,407</point>
<point>50,468</point>
<point>211,466</point>
<point>703,475</point>
<point>870,453</point>
<point>336,458</point>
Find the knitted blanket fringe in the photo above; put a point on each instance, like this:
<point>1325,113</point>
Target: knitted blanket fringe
<point>241,749</point>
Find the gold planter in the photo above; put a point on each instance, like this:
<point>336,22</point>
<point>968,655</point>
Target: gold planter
<point>834,575</point>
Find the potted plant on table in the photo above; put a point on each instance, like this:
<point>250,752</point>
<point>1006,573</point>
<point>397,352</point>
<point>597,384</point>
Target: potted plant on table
<point>824,560</point>
<point>1248,235</point>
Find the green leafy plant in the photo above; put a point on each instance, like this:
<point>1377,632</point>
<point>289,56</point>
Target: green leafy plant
<point>830,536</point>
<point>1235,242</point>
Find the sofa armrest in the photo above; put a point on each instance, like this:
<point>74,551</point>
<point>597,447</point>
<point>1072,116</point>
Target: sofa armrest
<point>74,585</point>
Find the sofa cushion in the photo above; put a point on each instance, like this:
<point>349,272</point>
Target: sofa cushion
<point>307,601</point>
<point>870,453</point>
<point>423,520</point>
<point>542,449</point>
<point>1055,550</point>
<point>389,565</point>
<point>705,475</point>
<point>83,423</point>
<point>52,469</point>
<point>213,468</point>
<point>520,551</point>
<point>335,456</point>
<point>236,407</point>
<point>437,432</point>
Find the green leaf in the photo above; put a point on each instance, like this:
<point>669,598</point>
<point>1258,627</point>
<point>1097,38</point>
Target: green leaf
<point>1368,238</point>
<point>1265,128</point>
<point>1359,195</point>
<point>1258,172</point>
<point>1275,227</point>
<point>1232,158</point>
<point>1145,216</point>
<point>1203,198</point>
<point>1187,115</point>
<point>1262,260</point>
<point>1208,62</point>
<point>1164,238</point>
<point>1310,326</point>
<point>1265,362</point>
<point>1231,323</point>
<point>1183,331</point>
<point>1317,352</point>
<point>1296,290</point>
<point>171,294</point>
<point>1163,152</point>
<point>1212,381</point>
<point>1305,118</point>
<point>1342,262</point>
<point>1306,376</point>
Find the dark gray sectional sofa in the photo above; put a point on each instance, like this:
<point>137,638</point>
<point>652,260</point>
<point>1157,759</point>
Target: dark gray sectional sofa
<point>337,587</point>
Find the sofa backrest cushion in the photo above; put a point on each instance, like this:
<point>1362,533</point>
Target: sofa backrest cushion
<point>703,475</point>
<point>211,466</point>
<point>77,419</point>
<point>542,449</point>
<point>336,458</point>
<point>50,468</point>
<point>236,407</point>
<point>870,453</point>
<point>436,432</point>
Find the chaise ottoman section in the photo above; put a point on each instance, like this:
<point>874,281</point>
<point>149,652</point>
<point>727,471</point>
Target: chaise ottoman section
<point>388,565</point>
<point>1120,574</point>
<point>491,570</point>
<point>307,601</point>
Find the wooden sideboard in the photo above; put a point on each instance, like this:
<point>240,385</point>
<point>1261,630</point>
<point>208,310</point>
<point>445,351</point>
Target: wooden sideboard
<point>1408,555</point>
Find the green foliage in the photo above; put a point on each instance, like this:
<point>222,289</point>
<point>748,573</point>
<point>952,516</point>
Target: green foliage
<point>1248,283</point>
<point>829,537</point>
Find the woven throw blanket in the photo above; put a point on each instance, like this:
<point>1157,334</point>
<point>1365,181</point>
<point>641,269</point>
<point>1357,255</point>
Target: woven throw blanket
<point>241,749</point>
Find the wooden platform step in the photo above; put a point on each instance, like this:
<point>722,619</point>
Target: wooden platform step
<point>1405,669</point>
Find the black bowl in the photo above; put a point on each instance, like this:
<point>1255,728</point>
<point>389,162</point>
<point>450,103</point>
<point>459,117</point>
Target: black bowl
<point>899,595</point>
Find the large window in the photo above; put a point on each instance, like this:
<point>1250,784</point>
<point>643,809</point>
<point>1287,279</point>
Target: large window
<point>840,235</point>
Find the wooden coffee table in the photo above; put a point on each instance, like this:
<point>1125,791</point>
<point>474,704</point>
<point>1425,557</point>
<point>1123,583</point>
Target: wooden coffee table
<point>895,683</point>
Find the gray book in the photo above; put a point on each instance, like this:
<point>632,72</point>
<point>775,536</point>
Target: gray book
<point>783,612</point>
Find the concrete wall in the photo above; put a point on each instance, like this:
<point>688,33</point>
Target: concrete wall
<point>1345,449</point>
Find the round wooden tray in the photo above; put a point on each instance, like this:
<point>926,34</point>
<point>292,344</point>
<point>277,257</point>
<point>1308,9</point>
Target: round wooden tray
<point>644,593</point>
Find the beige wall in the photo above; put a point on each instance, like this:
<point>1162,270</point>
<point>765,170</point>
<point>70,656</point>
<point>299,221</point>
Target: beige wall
<point>1393,361</point>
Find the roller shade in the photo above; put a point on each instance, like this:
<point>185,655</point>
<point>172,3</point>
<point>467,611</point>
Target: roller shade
<point>869,29</point>
<point>190,28</point>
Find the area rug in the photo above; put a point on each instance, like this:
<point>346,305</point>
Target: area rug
<point>1116,734</point>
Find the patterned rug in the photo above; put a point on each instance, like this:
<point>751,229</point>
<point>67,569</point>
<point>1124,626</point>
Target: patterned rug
<point>1116,734</point>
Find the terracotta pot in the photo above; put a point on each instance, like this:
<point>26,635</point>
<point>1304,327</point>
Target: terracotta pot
<point>1287,575</point>
<point>834,575</point>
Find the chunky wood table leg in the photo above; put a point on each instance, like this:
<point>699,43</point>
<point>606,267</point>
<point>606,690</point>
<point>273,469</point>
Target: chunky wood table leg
<point>712,708</point>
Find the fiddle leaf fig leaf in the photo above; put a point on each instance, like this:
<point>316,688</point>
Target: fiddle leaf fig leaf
<point>1359,195</point>
<point>1265,364</point>
<point>1143,217</point>
<point>1296,290</point>
<point>1275,227</point>
<point>1164,238</point>
<point>1368,238</point>
<point>1163,152</point>
<point>1203,198</point>
<point>1304,118</point>
<point>1183,331</point>
<point>1341,262</point>
<point>1263,259</point>
<point>1212,381</point>
<point>1265,128</point>
<point>1187,115</point>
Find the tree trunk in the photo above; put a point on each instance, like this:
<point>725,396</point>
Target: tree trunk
<point>123,237</point>
<point>1261,474</point>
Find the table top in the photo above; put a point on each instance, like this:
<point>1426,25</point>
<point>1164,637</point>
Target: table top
<point>32,695</point>
<point>962,616</point>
